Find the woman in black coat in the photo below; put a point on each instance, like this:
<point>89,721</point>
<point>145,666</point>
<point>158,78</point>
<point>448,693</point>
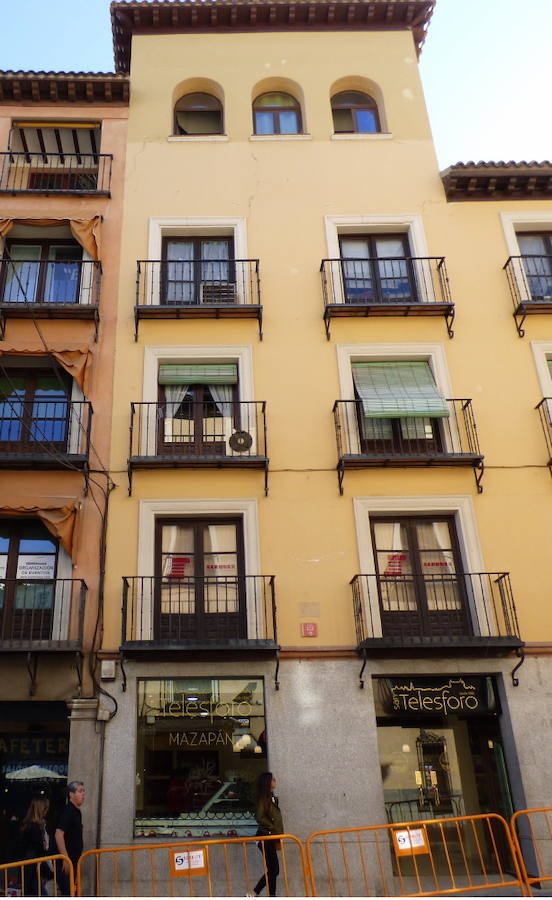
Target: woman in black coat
<point>34,842</point>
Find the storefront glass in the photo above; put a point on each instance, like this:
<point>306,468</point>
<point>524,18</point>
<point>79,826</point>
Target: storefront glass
<point>201,744</point>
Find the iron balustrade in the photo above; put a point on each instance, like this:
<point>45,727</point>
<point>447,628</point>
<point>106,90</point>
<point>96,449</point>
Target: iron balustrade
<point>399,285</point>
<point>214,282</point>
<point>530,282</point>
<point>45,612</point>
<point>55,173</point>
<point>44,431</point>
<point>544,409</point>
<point>188,430</point>
<point>199,610</point>
<point>441,609</point>
<point>71,283</point>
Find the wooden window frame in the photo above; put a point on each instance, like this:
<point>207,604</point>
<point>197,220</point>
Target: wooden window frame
<point>275,110</point>
<point>198,447</point>
<point>375,277</point>
<point>354,108</point>
<point>40,624</point>
<point>45,246</point>
<point>25,444</point>
<point>177,128</point>
<point>196,241</point>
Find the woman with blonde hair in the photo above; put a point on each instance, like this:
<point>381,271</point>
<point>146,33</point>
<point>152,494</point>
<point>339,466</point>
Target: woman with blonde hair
<point>34,842</point>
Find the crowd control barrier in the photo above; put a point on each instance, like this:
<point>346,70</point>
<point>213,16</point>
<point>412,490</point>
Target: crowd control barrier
<point>200,868</point>
<point>532,837</point>
<point>432,857</point>
<point>38,877</point>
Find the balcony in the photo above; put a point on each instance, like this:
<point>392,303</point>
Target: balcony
<point>55,173</point>
<point>198,289</point>
<point>42,614</point>
<point>544,409</point>
<point>208,435</point>
<point>44,434</point>
<point>442,613</point>
<point>406,442</point>
<point>195,615</point>
<point>33,289</point>
<point>390,286</point>
<point>530,282</point>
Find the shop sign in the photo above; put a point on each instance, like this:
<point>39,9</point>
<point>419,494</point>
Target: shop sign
<point>34,746</point>
<point>185,739</point>
<point>461,694</point>
<point>36,566</point>
<point>410,841</point>
<point>188,862</point>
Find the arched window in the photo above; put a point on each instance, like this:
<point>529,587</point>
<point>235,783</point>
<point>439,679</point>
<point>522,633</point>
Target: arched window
<point>276,113</point>
<point>355,112</point>
<point>198,114</point>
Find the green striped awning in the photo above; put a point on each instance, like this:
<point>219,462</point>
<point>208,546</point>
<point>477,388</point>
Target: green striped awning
<point>200,374</point>
<point>393,390</point>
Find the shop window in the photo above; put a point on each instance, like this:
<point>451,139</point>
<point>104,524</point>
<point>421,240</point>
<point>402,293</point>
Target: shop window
<point>34,409</point>
<point>198,271</point>
<point>201,746</point>
<point>200,583</point>
<point>377,268</point>
<point>41,271</point>
<point>200,408</point>
<point>276,113</point>
<point>399,408</point>
<point>536,252</point>
<point>355,112</point>
<point>418,568</point>
<point>198,113</point>
<point>28,570</point>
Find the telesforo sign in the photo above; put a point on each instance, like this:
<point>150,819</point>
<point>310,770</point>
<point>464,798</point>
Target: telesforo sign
<point>445,696</point>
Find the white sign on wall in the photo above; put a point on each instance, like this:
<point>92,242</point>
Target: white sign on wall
<point>36,566</point>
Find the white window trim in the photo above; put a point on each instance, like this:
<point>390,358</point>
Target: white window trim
<point>281,137</point>
<point>514,222</point>
<point>164,355</point>
<point>199,138</point>
<point>460,506</point>
<point>182,226</point>
<point>150,510</point>
<point>383,223</point>
<point>63,596</point>
<point>359,136</point>
<point>542,352</point>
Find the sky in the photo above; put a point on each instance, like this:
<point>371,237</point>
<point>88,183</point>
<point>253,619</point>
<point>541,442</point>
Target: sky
<point>486,67</point>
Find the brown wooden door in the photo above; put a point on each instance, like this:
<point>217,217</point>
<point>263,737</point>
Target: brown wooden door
<point>195,425</point>
<point>200,584</point>
<point>421,592</point>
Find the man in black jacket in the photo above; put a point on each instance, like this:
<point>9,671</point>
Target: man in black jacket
<point>69,832</point>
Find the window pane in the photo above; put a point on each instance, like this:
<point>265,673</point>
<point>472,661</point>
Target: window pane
<point>275,99</point>
<point>62,274</point>
<point>366,121</point>
<point>12,393</point>
<point>22,277</point>
<point>34,596</point>
<point>357,274</point>
<point>264,123</point>
<point>179,272</point>
<point>289,122</point>
<point>343,121</point>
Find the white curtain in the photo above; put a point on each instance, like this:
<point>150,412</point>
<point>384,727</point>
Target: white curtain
<point>212,269</point>
<point>222,395</point>
<point>174,395</point>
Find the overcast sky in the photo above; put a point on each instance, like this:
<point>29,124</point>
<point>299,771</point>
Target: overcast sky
<point>486,67</point>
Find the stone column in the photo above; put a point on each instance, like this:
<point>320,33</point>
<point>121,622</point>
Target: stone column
<point>84,760</point>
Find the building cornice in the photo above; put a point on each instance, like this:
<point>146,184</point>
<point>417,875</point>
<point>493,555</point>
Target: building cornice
<point>498,180</point>
<point>64,87</point>
<point>185,16</point>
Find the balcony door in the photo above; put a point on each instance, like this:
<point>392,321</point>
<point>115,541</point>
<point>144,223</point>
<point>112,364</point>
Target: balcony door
<point>41,272</point>
<point>377,269</point>
<point>28,565</point>
<point>421,591</point>
<point>34,411</point>
<point>199,588</point>
<point>536,250</point>
<point>198,271</point>
<point>200,409</point>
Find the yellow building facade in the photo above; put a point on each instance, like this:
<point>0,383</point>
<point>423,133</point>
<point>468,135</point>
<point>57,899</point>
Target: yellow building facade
<point>330,561</point>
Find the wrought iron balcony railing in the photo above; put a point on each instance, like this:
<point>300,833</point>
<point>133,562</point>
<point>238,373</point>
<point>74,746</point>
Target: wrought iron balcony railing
<point>390,286</point>
<point>440,610</point>
<point>184,433</point>
<point>530,282</point>
<point>55,173</point>
<point>46,434</point>
<point>410,441</point>
<point>42,614</point>
<point>49,289</point>
<point>544,409</point>
<point>194,613</point>
<point>215,288</point>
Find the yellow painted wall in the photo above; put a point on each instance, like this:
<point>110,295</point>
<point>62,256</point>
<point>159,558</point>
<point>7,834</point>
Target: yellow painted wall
<point>284,188</point>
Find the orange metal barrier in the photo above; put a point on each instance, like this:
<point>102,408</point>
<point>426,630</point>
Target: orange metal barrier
<point>532,837</point>
<point>35,877</point>
<point>415,859</point>
<point>203,868</point>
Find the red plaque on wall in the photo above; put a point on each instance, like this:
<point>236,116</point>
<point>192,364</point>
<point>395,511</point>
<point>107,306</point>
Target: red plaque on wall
<point>309,629</point>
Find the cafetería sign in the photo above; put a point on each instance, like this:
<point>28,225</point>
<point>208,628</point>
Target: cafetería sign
<point>465,695</point>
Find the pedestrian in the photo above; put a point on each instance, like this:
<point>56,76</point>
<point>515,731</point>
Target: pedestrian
<point>269,819</point>
<point>34,842</point>
<point>69,833</point>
